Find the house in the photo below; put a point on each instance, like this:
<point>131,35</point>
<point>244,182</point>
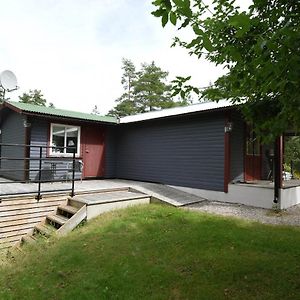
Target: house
<point>205,149</point>
<point>27,124</point>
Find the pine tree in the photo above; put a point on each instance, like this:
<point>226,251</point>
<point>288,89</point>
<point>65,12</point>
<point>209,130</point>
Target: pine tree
<point>145,90</point>
<point>33,97</point>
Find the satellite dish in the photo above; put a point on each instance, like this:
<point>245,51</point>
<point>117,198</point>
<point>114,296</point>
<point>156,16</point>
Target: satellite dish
<point>8,81</point>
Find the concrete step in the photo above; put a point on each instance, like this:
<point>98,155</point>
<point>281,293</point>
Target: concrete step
<point>45,229</point>
<point>58,219</point>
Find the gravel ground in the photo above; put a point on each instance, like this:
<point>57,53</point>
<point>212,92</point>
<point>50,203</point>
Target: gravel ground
<point>289,216</point>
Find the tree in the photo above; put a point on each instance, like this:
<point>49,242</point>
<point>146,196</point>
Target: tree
<point>95,110</point>
<point>128,78</point>
<point>259,47</point>
<point>124,108</point>
<point>145,90</point>
<point>33,97</point>
<point>2,95</point>
<point>151,90</point>
<point>292,149</point>
<point>126,105</point>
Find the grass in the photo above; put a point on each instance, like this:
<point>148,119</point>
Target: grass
<point>158,252</point>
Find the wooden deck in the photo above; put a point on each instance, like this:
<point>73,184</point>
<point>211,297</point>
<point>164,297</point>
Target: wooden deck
<point>20,214</point>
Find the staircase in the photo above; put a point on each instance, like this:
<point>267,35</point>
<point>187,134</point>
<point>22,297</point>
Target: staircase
<point>66,217</point>
<point>84,207</point>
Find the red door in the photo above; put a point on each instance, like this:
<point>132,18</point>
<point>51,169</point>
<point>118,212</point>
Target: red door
<point>93,151</point>
<point>252,156</point>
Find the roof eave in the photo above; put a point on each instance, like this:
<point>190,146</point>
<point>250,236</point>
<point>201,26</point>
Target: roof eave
<point>67,118</point>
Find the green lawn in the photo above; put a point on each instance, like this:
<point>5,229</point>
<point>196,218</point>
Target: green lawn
<point>158,252</point>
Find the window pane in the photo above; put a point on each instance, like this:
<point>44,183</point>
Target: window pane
<point>72,139</point>
<point>58,137</point>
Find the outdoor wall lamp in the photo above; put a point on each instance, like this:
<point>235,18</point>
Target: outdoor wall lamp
<point>228,127</point>
<point>26,124</point>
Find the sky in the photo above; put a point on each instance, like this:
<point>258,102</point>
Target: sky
<point>72,50</point>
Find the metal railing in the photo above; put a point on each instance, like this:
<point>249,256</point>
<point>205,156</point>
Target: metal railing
<point>16,161</point>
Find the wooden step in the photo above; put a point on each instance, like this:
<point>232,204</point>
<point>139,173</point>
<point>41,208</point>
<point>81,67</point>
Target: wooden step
<point>75,203</point>
<point>69,209</point>
<point>45,229</point>
<point>109,197</point>
<point>74,221</point>
<point>28,239</point>
<point>58,219</point>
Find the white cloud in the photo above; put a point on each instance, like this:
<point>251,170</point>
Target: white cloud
<point>72,50</point>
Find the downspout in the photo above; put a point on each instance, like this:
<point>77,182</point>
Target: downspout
<point>278,162</point>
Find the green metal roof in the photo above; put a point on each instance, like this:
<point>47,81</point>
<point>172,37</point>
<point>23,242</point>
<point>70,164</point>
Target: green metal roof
<point>43,110</point>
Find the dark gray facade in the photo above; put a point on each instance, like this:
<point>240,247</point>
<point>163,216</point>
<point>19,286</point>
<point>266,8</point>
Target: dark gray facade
<point>13,132</point>
<point>184,151</point>
<point>110,154</point>
<point>39,134</point>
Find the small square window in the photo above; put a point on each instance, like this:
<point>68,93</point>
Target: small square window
<point>64,140</point>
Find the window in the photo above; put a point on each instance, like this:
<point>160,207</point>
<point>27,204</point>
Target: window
<point>252,143</point>
<point>64,140</point>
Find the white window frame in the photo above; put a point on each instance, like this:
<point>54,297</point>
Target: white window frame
<point>77,154</point>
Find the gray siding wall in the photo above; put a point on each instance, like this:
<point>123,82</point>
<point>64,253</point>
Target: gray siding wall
<point>13,132</point>
<point>186,151</point>
<point>237,148</point>
<point>39,137</point>
<point>110,152</point>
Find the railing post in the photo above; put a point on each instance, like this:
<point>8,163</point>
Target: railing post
<point>39,196</point>
<point>73,175</point>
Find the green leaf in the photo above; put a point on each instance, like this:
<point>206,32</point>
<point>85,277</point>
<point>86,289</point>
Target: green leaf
<point>194,42</point>
<point>173,18</point>
<point>165,19</point>
<point>186,11</point>
<point>179,3</point>
<point>197,30</point>
<point>167,4</point>
<point>187,3</point>
<point>207,43</point>
<point>157,2</point>
<point>196,90</point>
<point>241,22</point>
<point>158,13</point>
<point>185,23</point>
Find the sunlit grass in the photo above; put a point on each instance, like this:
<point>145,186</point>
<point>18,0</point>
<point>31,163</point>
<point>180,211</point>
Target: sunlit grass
<point>159,252</point>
